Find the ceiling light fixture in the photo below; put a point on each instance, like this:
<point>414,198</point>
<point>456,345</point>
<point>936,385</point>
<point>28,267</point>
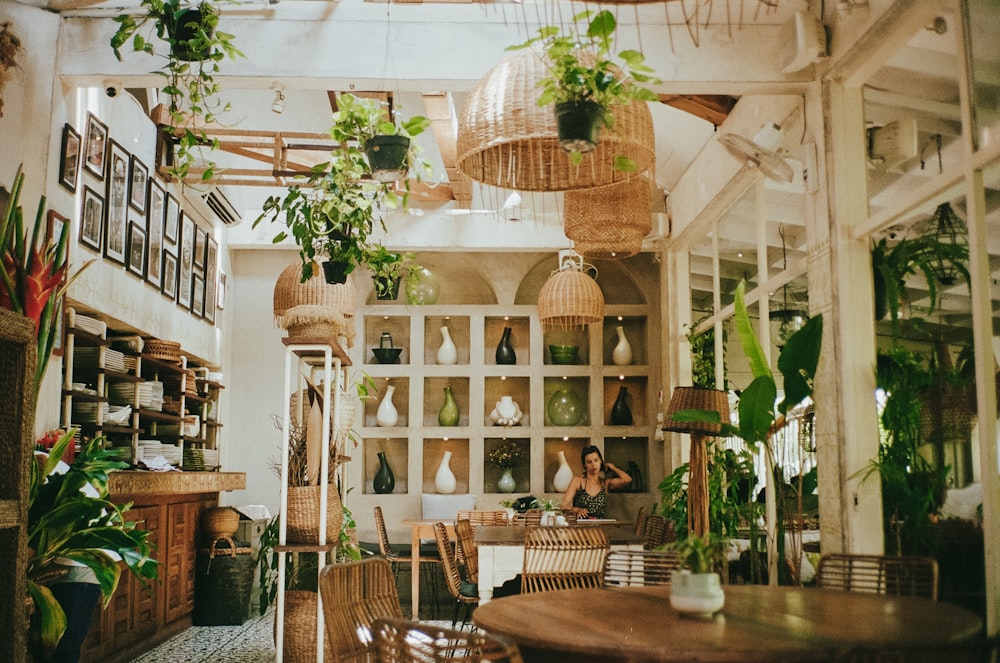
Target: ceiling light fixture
<point>570,298</point>
<point>278,105</point>
<point>947,229</point>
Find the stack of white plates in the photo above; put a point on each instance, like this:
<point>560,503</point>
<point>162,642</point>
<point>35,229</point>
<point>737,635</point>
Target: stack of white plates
<point>121,392</point>
<point>114,360</point>
<point>211,458</point>
<point>91,325</point>
<point>172,453</point>
<point>149,449</point>
<point>118,414</point>
<point>86,413</point>
<point>151,395</point>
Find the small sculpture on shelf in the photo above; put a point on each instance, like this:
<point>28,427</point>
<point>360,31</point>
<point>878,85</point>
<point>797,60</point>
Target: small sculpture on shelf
<point>507,412</point>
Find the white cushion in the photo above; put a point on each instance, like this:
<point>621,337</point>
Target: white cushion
<point>445,507</point>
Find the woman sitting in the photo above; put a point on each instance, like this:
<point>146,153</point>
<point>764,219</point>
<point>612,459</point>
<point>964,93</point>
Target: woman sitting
<point>587,494</point>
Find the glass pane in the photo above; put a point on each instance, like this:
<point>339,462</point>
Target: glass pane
<point>984,16</point>
<point>991,180</point>
<point>738,245</point>
<point>701,278</point>
<point>912,115</point>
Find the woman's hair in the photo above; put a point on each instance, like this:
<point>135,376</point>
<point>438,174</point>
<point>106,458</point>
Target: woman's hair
<point>587,451</point>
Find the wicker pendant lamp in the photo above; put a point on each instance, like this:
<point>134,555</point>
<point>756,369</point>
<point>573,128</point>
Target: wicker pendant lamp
<point>697,398</point>
<point>506,140</point>
<point>570,298</point>
<point>608,222</point>
<point>314,308</point>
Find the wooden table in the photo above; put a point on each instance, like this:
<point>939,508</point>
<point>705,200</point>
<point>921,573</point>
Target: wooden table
<point>501,551</point>
<point>758,623</point>
<point>421,529</point>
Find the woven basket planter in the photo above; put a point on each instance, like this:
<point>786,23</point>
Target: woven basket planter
<point>505,139</point>
<point>223,583</point>
<point>302,513</point>
<point>220,522</point>
<point>300,629</point>
<point>169,351</point>
<point>608,222</point>
<point>314,309</point>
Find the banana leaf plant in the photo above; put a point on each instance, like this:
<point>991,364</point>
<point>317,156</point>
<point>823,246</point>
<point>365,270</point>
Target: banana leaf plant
<point>34,271</point>
<point>70,518</point>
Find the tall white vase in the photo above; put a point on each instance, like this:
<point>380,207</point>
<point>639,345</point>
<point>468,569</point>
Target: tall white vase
<point>447,353</point>
<point>387,415</point>
<point>444,480</point>
<point>622,354</point>
<point>560,482</point>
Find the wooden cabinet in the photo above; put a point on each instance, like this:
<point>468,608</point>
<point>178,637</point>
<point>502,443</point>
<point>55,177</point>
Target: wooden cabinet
<point>179,559</point>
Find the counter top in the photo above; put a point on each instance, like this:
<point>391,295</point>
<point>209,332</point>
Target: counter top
<point>132,482</point>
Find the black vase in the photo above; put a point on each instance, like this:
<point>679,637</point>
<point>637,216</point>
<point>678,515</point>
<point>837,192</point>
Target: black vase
<point>384,481</point>
<point>505,351</point>
<point>621,415</point>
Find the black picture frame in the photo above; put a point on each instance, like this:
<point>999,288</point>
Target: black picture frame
<point>136,263</point>
<point>156,199</point>
<point>169,281</point>
<point>95,154</point>
<point>92,219</point>
<point>197,296</point>
<point>69,158</point>
<point>138,176</point>
<point>200,242</point>
<point>116,200</point>
<point>171,221</point>
<point>185,261</point>
<point>211,276</point>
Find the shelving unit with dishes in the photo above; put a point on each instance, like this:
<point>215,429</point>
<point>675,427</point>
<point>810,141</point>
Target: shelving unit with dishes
<point>140,394</point>
<point>589,383</point>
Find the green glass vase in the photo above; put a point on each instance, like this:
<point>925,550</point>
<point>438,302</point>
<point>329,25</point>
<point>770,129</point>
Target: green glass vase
<point>448,416</point>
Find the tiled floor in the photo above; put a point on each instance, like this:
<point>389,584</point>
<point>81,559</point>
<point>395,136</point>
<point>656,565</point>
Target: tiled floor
<point>253,642</point>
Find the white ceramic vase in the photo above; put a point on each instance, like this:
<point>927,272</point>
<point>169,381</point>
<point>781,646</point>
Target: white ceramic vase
<point>622,354</point>
<point>507,483</point>
<point>444,480</point>
<point>387,415</point>
<point>447,353</point>
<point>506,412</point>
<point>696,594</point>
<point>560,482</point>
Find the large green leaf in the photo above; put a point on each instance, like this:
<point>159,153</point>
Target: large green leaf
<point>751,347</point>
<point>756,408</point>
<point>798,361</point>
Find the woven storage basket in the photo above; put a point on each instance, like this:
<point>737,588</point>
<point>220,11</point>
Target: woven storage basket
<point>608,222</point>
<point>302,512</point>
<point>300,629</point>
<point>314,308</point>
<point>162,350</point>
<point>570,299</point>
<point>505,139</point>
<point>223,582</point>
<point>219,522</point>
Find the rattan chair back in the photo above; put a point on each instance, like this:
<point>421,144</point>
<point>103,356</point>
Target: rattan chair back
<point>466,551</point>
<point>531,518</point>
<point>563,558</point>
<point>406,641</point>
<point>879,574</point>
<point>452,576</point>
<point>355,594</point>
<point>498,517</point>
<point>640,519</point>
<point>384,547</point>
<point>657,531</point>
<point>638,568</point>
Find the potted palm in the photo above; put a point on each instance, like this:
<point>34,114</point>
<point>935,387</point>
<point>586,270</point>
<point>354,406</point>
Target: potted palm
<point>585,79</point>
<point>195,47</point>
<point>697,590</point>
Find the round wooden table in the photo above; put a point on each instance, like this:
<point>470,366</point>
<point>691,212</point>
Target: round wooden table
<point>758,623</point>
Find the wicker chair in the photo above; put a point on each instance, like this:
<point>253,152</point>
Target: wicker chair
<point>466,551</point>
<point>452,577</point>
<point>638,568</point>
<point>531,518</point>
<point>563,558</point>
<point>354,594</point>
<point>657,531</point>
<point>396,559</point>
<point>879,574</point>
<point>640,520</point>
<point>477,518</point>
<point>403,641</point>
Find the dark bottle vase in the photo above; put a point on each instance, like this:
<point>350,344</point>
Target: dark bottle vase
<point>621,415</point>
<point>505,351</point>
<point>384,480</point>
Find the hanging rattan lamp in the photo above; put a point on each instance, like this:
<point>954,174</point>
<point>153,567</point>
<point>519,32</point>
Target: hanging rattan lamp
<point>608,222</point>
<point>315,308</point>
<point>506,140</point>
<point>570,298</point>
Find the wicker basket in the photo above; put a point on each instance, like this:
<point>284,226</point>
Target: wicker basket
<point>169,351</point>
<point>219,522</point>
<point>300,629</point>
<point>609,222</point>
<point>302,512</point>
<point>314,308</point>
<point>223,583</point>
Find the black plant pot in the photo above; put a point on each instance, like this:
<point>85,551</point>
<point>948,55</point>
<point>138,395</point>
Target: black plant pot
<point>336,271</point>
<point>386,290</point>
<point>182,31</point>
<point>387,157</point>
<point>579,125</point>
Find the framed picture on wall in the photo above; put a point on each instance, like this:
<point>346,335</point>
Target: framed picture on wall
<point>169,287</point>
<point>69,158</point>
<point>222,290</point>
<point>199,248</point>
<point>92,224</point>
<point>96,146</point>
<point>185,261</point>
<point>138,174</point>
<point>55,222</point>
<point>116,195</point>
<point>211,267</point>
<point>156,200</point>
<point>171,222</point>
<point>198,296</point>
<point>137,249</point>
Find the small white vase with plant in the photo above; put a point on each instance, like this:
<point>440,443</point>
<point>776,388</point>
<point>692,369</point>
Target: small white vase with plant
<point>696,590</point>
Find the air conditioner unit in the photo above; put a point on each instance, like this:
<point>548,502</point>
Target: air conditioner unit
<point>213,205</point>
<point>803,42</point>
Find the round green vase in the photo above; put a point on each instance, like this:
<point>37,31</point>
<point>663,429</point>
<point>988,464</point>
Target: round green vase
<point>565,408</point>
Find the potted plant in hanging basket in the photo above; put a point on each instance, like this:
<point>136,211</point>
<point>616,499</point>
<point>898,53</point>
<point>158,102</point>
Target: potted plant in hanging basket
<point>388,268</point>
<point>696,591</point>
<point>387,144</point>
<point>195,47</point>
<point>585,79</point>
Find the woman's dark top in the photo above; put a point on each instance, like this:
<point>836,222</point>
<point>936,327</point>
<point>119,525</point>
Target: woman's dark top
<point>594,504</point>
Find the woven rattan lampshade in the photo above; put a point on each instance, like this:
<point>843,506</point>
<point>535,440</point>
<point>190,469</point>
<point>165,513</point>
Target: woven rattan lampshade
<point>314,308</point>
<point>608,222</point>
<point>570,298</point>
<point>505,139</point>
<point>696,398</point>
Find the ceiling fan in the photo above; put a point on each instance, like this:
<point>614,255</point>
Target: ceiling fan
<point>760,152</point>
<point>513,200</point>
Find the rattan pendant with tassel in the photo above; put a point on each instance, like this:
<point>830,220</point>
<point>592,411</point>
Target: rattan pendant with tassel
<point>314,308</point>
<point>506,140</point>
<point>609,222</point>
<point>570,298</point>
